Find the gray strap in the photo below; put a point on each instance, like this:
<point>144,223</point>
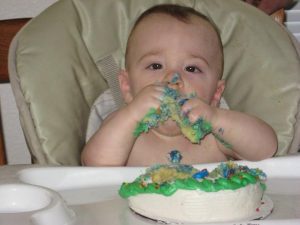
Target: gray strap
<point>110,70</point>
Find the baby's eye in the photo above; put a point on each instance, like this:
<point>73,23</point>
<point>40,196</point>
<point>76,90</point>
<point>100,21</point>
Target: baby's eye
<point>155,66</point>
<point>193,69</point>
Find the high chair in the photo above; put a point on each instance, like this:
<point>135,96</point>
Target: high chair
<point>63,59</point>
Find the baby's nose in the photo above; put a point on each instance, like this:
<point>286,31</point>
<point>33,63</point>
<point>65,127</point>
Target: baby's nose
<point>174,80</point>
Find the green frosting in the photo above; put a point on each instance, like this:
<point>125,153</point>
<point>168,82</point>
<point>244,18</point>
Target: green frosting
<point>167,179</point>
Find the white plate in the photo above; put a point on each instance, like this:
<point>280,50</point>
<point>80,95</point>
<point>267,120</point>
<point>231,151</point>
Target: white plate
<point>264,210</point>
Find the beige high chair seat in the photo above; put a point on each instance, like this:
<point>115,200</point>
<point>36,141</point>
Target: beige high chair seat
<point>63,59</point>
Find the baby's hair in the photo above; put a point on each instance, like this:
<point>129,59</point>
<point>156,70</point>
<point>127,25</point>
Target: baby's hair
<point>182,13</point>
<point>179,12</point>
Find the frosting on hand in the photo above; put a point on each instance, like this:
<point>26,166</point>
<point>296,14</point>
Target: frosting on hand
<point>170,108</point>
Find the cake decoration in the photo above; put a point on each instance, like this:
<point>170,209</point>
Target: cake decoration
<point>170,107</point>
<point>175,156</point>
<point>166,179</point>
<point>201,174</point>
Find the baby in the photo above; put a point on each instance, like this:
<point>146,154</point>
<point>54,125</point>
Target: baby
<point>168,41</point>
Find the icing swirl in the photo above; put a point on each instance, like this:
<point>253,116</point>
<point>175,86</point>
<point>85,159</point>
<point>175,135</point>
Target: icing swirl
<point>167,179</point>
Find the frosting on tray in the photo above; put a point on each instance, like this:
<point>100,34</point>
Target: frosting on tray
<point>166,179</point>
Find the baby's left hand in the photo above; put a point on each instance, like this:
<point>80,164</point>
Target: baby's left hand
<point>196,108</point>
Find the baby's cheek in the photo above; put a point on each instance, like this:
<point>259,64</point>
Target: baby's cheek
<point>204,97</point>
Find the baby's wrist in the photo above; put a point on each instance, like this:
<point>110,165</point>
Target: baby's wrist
<point>215,122</point>
<point>132,114</point>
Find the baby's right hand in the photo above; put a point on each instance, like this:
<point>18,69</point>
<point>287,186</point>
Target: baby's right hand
<point>147,98</point>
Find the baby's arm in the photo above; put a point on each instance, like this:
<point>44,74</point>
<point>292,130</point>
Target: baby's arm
<point>104,147</point>
<point>250,138</point>
<point>111,145</point>
<point>239,135</point>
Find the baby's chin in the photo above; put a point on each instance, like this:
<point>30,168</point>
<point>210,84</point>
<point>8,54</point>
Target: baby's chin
<point>168,128</point>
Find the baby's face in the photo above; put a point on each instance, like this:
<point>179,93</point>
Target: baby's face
<point>162,46</point>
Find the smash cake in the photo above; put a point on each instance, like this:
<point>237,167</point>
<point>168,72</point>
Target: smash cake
<point>178,193</point>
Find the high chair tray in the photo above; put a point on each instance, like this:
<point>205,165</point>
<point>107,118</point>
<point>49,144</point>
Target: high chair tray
<point>92,193</point>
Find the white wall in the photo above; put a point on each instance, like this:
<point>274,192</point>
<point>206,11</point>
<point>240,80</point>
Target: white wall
<point>293,20</point>
<point>17,152</point>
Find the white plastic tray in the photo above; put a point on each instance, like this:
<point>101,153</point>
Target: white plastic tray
<point>92,193</point>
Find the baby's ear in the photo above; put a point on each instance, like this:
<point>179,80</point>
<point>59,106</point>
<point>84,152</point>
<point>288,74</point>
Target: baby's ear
<point>218,94</point>
<point>125,86</point>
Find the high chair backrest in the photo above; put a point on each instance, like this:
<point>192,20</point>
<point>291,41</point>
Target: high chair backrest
<point>69,54</point>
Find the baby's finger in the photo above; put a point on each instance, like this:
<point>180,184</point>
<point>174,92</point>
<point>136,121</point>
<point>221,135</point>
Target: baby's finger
<point>195,114</point>
<point>188,105</point>
<point>194,109</point>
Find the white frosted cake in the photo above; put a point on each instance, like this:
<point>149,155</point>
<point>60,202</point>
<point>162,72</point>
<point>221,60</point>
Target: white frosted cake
<point>181,193</point>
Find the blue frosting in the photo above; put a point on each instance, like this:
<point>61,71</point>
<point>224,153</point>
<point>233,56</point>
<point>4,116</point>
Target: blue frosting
<point>175,156</point>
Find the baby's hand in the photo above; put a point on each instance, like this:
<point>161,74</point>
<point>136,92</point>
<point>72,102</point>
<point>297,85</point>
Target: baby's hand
<point>149,97</point>
<point>196,108</point>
